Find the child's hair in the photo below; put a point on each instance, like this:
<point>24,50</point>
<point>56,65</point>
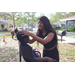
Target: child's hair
<point>16,30</point>
<point>20,37</point>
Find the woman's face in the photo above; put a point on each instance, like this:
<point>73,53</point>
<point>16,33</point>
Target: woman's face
<point>40,25</point>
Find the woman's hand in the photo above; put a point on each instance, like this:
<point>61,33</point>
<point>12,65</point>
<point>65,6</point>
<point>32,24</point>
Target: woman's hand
<point>24,32</point>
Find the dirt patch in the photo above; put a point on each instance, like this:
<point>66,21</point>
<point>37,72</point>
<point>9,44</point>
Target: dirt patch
<point>66,52</point>
<point>9,52</point>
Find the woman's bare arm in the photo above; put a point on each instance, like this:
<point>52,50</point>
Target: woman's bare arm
<point>31,41</point>
<point>44,59</point>
<point>47,39</point>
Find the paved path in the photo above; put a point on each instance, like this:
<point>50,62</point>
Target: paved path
<point>5,34</point>
<point>67,39</point>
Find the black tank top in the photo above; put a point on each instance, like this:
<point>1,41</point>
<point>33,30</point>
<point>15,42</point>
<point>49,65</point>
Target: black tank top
<point>51,43</point>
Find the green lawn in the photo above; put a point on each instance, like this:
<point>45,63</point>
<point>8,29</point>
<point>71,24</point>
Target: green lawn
<point>72,36</point>
<point>66,50</point>
<point>4,32</point>
<point>7,36</point>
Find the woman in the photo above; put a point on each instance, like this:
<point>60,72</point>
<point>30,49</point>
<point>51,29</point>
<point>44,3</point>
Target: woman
<point>45,35</point>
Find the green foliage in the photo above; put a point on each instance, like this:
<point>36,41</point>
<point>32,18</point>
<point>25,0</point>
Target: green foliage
<point>56,17</point>
<point>54,25</point>
<point>26,18</point>
<point>20,18</point>
<point>5,29</point>
<point>7,36</point>
<point>60,15</point>
<point>71,29</point>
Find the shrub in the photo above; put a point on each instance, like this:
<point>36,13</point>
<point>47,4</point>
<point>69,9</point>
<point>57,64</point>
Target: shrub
<point>54,24</point>
<point>71,29</point>
<point>5,29</point>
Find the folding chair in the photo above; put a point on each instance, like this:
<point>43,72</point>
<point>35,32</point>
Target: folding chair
<point>27,53</point>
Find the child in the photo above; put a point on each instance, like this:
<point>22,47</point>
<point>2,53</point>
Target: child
<point>15,31</point>
<point>24,40</point>
<point>12,31</point>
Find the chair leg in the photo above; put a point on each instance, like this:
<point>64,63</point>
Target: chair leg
<point>19,56</point>
<point>19,52</point>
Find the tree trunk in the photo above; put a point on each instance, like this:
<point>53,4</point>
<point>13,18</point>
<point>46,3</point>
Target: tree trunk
<point>13,21</point>
<point>32,22</point>
<point>28,21</point>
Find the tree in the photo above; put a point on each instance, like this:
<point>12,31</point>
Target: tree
<point>13,15</point>
<point>8,15</point>
<point>60,15</point>
<point>20,19</point>
<point>30,16</point>
<point>33,17</point>
<point>4,15</point>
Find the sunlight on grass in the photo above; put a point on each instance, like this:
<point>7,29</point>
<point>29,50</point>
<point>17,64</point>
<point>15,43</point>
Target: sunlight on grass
<point>10,52</point>
<point>67,53</point>
<point>7,36</point>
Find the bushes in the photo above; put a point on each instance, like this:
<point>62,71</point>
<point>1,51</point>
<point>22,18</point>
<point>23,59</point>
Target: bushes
<point>54,24</point>
<point>71,29</point>
<point>5,29</point>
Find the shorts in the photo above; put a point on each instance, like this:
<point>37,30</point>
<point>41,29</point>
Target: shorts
<point>12,33</point>
<point>54,54</point>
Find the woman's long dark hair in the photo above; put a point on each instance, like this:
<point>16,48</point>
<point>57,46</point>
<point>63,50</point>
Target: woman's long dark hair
<point>47,26</point>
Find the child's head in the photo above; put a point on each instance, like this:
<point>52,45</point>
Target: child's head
<point>22,39</point>
<point>12,26</point>
<point>16,30</point>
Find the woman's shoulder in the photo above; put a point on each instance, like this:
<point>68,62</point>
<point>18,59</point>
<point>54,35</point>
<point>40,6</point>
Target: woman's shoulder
<point>50,32</point>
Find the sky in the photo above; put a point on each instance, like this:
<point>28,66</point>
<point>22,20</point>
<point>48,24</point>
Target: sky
<point>45,13</point>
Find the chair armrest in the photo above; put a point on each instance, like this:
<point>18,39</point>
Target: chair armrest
<point>38,52</point>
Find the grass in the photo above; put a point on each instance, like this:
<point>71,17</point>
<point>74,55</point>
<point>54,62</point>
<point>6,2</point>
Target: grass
<point>3,32</point>
<point>72,36</point>
<point>7,36</point>
<point>11,52</point>
<point>66,53</point>
<point>60,40</point>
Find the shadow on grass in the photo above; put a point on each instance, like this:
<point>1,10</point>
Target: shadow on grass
<point>60,40</point>
<point>7,54</point>
<point>72,43</point>
<point>15,39</point>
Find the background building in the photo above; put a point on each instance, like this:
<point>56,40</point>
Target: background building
<point>5,24</point>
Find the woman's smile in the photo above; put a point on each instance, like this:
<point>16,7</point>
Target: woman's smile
<point>40,27</point>
<point>40,24</point>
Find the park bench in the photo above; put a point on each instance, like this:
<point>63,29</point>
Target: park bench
<point>26,52</point>
<point>61,33</point>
